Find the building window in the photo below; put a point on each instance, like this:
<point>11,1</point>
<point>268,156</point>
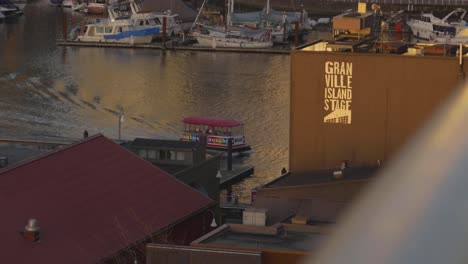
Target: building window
<point>180,155</point>
<point>142,153</point>
<point>152,154</point>
<point>162,154</point>
<point>172,155</point>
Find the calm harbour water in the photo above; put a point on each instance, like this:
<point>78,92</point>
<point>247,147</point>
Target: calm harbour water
<point>51,92</point>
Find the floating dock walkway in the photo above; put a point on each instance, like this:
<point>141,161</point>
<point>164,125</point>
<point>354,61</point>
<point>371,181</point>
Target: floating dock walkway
<point>169,47</point>
<point>238,173</point>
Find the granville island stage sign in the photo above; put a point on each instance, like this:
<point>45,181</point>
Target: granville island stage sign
<point>338,92</point>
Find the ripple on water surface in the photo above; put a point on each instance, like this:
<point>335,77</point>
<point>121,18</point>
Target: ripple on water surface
<point>49,91</point>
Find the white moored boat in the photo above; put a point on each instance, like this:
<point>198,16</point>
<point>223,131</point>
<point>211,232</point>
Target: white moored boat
<point>67,3</point>
<point>430,27</point>
<point>118,30</point>
<point>460,38</point>
<point>155,19</point>
<point>9,9</point>
<point>232,41</point>
<point>233,37</point>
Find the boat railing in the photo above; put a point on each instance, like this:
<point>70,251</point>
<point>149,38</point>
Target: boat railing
<point>224,140</point>
<point>215,139</point>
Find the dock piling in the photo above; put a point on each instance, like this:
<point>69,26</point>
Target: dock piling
<point>229,194</point>
<point>229,155</point>
<point>164,32</point>
<point>285,32</point>
<point>296,33</point>
<point>64,26</point>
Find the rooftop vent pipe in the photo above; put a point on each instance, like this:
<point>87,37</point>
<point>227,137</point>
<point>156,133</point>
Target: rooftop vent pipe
<point>31,230</point>
<point>339,173</point>
<point>344,164</point>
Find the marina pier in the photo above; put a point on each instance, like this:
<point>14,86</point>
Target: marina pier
<point>159,46</point>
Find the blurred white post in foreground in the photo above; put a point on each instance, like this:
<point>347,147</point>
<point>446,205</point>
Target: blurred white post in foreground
<point>417,210</point>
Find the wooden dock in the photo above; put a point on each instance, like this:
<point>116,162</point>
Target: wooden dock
<point>168,47</point>
<point>237,174</point>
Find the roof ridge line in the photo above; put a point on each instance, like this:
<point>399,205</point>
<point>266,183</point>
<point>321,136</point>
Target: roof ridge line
<point>49,153</point>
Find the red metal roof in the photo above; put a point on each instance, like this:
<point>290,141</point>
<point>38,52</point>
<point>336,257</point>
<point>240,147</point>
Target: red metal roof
<point>92,199</point>
<point>211,121</point>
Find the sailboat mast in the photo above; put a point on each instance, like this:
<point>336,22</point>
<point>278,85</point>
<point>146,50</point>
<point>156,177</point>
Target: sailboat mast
<point>198,15</point>
<point>230,8</point>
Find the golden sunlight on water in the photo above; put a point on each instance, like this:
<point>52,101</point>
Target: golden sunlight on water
<point>49,91</point>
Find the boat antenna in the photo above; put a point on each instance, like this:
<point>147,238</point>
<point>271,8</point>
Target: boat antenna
<point>112,14</point>
<point>198,15</point>
<point>230,10</point>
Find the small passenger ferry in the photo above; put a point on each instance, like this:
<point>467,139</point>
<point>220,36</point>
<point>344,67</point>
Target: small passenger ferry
<point>218,131</point>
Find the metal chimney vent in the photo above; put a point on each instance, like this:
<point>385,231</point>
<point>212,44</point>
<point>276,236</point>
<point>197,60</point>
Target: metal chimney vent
<point>31,230</point>
<point>32,226</point>
<point>344,164</point>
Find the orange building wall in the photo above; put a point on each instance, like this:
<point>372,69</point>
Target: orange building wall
<point>392,96</point>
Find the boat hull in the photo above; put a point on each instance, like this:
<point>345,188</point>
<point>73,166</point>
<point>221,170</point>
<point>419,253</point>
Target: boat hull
<point>10,13</point>
<point>67,3</point>
<point>142,36</point>
<point>454,40</point>
<point>128,40</point>
<point>428,31</point>
<point>222,42</point>
<point>279,37</point>
<point>56,2</point>
<point>421,32</point>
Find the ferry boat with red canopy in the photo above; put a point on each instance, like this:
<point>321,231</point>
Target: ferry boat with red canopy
<point>218,131</point>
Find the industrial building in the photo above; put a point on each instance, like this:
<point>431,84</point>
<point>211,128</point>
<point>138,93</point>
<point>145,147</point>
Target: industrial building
<point>362,107</point>
<point>93,201</point>
<point>315,198</point>
<point>281,243</point>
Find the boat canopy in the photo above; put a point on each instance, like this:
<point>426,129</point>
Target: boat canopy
<point>211,121</point>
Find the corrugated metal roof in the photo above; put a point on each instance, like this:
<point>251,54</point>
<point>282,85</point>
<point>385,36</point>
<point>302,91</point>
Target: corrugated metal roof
<point>322,176</point>
<point>91,199</point>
